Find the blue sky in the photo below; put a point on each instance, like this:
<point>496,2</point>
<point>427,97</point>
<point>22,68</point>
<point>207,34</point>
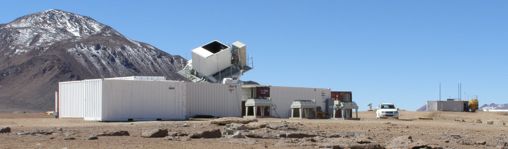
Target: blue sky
<point>384,51</point>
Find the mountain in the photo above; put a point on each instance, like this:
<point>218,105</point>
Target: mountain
<point>495,106</point>
<point>422,108</point>
<point>41,49</point>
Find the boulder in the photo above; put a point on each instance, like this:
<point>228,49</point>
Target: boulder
<point>5,129</point>
<point>215,133</point>
<point>115,133</point>
<point>229,120</point>
<point>69,138</point>
<point>154,133</point>
<point>490,122</point>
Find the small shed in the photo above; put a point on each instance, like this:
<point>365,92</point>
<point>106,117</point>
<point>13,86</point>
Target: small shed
<point>345,109</point>
<point>258,107</point>
<point>303,109</point>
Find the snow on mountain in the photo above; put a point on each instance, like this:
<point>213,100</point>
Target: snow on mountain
<point>494,106</point>
<point>41,49</point>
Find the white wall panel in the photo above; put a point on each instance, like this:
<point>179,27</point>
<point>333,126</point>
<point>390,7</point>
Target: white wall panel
<point>80,99</point>
<point>71,100</point>
<point>213,99</point>
<point>92,109</point>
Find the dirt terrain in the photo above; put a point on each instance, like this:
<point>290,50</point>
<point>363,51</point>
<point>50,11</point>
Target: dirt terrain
<point>412,130</point>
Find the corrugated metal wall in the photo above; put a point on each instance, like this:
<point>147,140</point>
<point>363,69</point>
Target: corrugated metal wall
<point>143,100</point>
<point>80,99</point>
<point>92,99</point>
<point>71,99</point>
<point>213,99</point>
<point>282,97</point>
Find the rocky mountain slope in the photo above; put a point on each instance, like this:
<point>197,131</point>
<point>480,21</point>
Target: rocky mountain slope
<point>39,50</point>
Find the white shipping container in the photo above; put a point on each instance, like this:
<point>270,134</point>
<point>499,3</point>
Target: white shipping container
<point>282,97</point>
<point>143,100</point>
<point>121,100</point>
<point>213,99</point>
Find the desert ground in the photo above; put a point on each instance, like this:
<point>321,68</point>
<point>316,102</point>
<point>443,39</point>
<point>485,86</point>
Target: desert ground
<point>412,130</point>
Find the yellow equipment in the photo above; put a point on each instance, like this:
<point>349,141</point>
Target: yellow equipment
<point>473,104</point>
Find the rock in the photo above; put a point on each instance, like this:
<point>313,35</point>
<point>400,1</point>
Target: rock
<point>455,136</point>
<point>115,133</point>
<point>490,122</point>
<point>92,137</point>
<point>332,146</point>
<point>366,146</point>
<point>299,135</point>
<point>36,132</point>
<point>69,138</point>
<point>478,121</point>
<point>502,145</point>
<point>256,125</point>
<point>280,127</point>
<point>261,133</point>
<point>344,135</point>
<point>229,120</point>
<point>480,142</point>
<point>363,141</point>
<point>172,134</point>
<point>5,129</point>
<point>207,134</point>
<point>237,134</point>
<point>22,133</point>
<point>233,127</point>
<point>154,133</point>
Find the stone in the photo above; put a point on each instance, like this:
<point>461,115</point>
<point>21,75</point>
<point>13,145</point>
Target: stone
<point>215,133</point>
<point>366,146</point>
<point>115,133</point>
<point>480,142</point>
<point>233,127</point>
<point>490,122</point>
<point>299,135</point>
<point>229,120</point>
<point>154,133</point>
<point>478,121</point>
<point>69,138</point>
<point>5,129</point>
<point>283,126</point>
<point>256,125</point>
<point>344,135</point>
<point>237,134</point>
<point>455,136</point>
<point>92,137</point>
